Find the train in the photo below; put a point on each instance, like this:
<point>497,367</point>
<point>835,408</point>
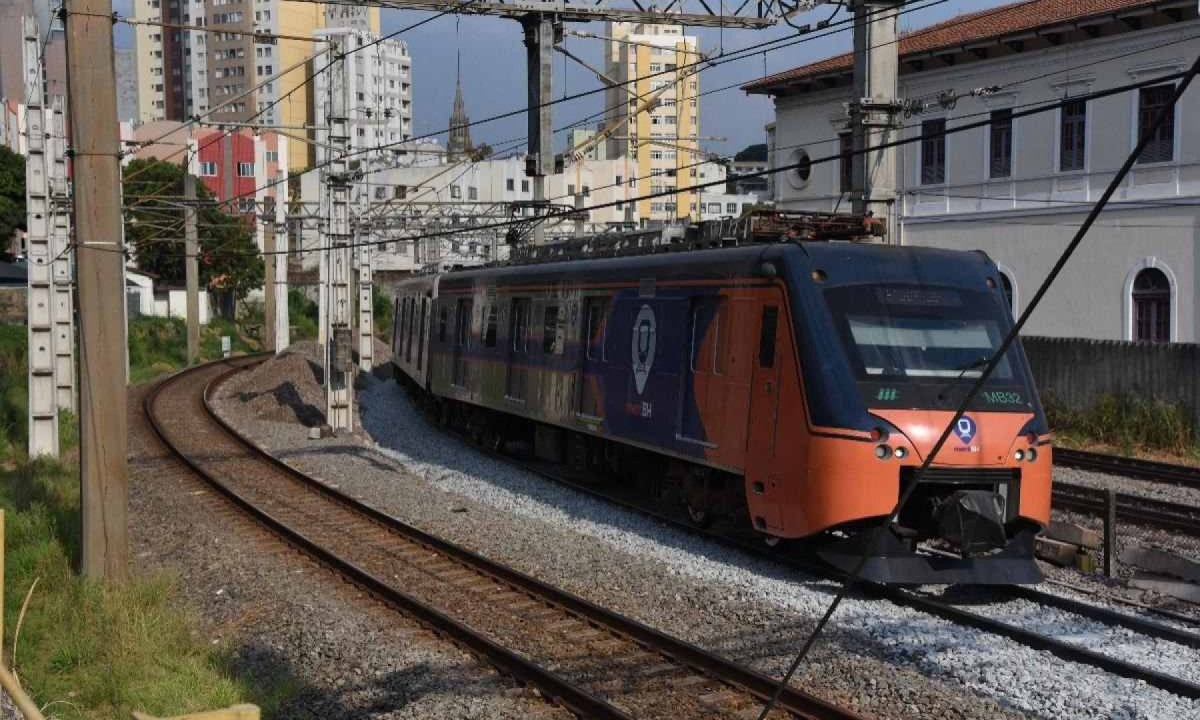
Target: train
<point>772,371</point>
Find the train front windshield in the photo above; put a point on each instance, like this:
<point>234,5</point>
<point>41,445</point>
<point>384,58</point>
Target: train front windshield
<point>925,347</point>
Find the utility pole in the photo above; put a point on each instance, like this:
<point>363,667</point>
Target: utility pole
<point>191,249</point>
<point>542,32</point>
<point>92,93</point>
<point>281,340</point>
<point>339,378</point>
<point>43,403</point>
<point>63,271</point>
<point>874,109</point>
<point>266,220</point>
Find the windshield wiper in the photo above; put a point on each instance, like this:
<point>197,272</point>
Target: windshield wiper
<point>962,370</point>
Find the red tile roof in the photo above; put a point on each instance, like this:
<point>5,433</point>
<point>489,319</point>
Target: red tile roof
<point>971,27</point>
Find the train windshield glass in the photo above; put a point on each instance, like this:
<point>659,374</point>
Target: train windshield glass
<point>921,346</point>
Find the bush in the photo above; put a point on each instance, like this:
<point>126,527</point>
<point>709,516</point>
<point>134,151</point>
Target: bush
<point>1127,422</point>
<point>302,315</point>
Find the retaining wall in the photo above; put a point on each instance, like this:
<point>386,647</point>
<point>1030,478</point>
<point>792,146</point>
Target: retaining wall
<point>1077,372</point>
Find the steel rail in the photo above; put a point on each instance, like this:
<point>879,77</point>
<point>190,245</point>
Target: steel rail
<point>1154,513</point>
<point>760,686</point>
<point>1182,475</point>
<point>923,603</point>
<point>561,691</point>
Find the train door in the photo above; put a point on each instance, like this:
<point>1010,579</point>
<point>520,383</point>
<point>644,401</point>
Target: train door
<point>590,402</point>
<point>518,349</point>
<point>462,334</point>
<point>761,467</point>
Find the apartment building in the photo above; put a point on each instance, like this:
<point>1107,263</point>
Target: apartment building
<point>655,111</point>
<point>380,92</point>
<point>1020,187</point>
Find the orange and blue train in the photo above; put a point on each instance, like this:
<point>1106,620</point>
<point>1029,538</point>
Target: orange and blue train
<point>791,386</point>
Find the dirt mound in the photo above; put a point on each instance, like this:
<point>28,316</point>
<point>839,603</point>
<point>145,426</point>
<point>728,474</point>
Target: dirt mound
<point>286,388</point>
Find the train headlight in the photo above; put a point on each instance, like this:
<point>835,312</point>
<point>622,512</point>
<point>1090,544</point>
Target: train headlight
<point>901,453</point>
<point>1019,455</point>
<point>1031,455</point>
<point>882,452</point>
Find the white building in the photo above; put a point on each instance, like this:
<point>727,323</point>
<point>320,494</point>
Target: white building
<point>380,93</point>
<point>1020,188</point>
<point>422,199</point>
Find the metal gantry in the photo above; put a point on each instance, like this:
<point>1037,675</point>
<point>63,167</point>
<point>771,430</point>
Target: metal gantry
<point>63,270</point>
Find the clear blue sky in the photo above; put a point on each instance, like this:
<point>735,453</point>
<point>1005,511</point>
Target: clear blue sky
<point>493,61</point>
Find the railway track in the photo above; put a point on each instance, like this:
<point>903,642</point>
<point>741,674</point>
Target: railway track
<point>925,602</point>
<point>1131,467</point>
<point>1169,516</point>
<point>593,662</point>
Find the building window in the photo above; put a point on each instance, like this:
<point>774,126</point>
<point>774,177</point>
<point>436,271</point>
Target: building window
<point>846,150</point>
<point>455,192</point>
<point>509,184</point>
<point>731,208</point>
<point>524,186</point>
<point>1151,102</point>
<point>472,193</point>
<point>1152,306</point>
<point>208,169</point>
<point>245,169</point>
<point>1000,154</point>
<point>933,152</point>
<point>1072,136</point>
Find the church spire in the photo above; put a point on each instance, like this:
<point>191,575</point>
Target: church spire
<point>459,147</point>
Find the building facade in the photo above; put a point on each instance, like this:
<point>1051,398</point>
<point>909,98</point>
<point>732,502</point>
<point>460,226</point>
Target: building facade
<point>380,93</point>
<point>1019,187</point>
<point>659,62</point>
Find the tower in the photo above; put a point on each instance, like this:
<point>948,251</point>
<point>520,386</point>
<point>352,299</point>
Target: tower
<point>459,147</point>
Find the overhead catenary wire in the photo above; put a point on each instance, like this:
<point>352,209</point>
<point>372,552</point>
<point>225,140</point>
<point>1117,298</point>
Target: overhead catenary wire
<point>1045,107</point>
<point>876,532</point>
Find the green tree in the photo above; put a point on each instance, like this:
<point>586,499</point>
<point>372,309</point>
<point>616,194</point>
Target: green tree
<point>756,153</point>
<point>154,226</point>
<point>12,193</point>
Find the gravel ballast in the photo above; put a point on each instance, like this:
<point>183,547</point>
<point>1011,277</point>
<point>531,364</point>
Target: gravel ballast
<point>288,622</point>
<point>881,659</point>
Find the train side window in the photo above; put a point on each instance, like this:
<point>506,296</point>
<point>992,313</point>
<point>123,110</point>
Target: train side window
<point>443,322</point>
<point>766,337</point>
<point>719,339</point>
<point>408,329</point>
<point>489,328</point>
<point>595,339</point>
<point>518,324</point>
<point>552,331</point>
<point>463,324</point>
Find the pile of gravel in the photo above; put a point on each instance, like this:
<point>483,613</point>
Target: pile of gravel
<point>286,388</point>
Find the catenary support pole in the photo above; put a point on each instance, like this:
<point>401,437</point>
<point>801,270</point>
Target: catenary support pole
<point>339,380</point>
<point>267,219</point>
<point>873,110</point>
<point>282,245</point>
<point>63,271</point>
<point>191,263</point>
<point>92,93</point>
<point>542,32</point>
<point>364,267</point>
<point>43,403</point>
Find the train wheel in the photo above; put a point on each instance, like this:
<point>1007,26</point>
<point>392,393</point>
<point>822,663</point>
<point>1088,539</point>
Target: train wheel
<point>699,516</point>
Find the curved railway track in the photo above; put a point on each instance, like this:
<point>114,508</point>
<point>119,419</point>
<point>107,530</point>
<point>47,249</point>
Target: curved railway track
<point>928,603</point>
<point>594,662</point>
<point>1182,475</point>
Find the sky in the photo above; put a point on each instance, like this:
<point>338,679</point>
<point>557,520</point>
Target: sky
<point>493,77</point>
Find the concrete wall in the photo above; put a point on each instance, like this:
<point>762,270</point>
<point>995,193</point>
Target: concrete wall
<point>1078,372</point>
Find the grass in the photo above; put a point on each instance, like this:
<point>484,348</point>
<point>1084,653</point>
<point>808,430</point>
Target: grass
<point>1128,424</point>
<point>158,346</point>
<point>87,649</point>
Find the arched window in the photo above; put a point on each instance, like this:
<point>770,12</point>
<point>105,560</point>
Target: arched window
<point>1152,306</point>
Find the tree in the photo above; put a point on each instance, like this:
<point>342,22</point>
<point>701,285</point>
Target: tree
<point>483,152</point>
<point>752,153</point>
<point>154,227</point>
<point>12,193</point>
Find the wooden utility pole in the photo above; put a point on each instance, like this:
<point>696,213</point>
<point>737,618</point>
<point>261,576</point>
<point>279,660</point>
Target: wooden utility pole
<point>92,94</point>
<point>191,263</point>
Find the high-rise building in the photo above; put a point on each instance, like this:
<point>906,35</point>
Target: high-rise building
<point>661,144</point>
<point>380,92</point>
<point>12,49</point>
<point>220,55</point>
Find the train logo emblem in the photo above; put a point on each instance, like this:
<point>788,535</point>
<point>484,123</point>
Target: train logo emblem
<point>965,429</point>
<point>643,346</point>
